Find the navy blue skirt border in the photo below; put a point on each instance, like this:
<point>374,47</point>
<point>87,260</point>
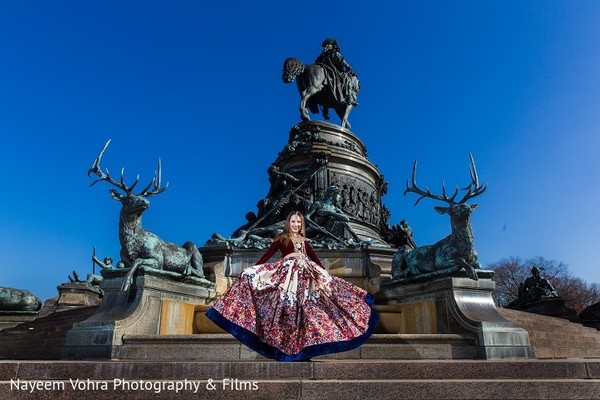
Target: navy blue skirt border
<point>251,340</point>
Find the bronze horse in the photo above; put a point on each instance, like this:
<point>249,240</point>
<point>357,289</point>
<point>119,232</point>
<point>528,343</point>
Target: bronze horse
<point>315,89</point>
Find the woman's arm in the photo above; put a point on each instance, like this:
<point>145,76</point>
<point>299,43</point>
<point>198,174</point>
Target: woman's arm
<point>311,253</point>
<point>271,250</point>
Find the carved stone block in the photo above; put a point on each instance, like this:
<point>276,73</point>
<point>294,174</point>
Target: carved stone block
<point>458,306</point>
<point>154,305</point>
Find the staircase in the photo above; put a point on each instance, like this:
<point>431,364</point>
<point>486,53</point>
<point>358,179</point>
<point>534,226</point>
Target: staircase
<point>42,338</point>
<point>224,347</point>
<point>556,337</point>
<point>214,366</point>
<point>319,380</point>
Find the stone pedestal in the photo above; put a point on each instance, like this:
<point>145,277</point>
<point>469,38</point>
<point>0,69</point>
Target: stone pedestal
<point>552,307</point>
<point>8,319</point>
<point>591,316</point>
<point>70,296</point>
<point>360,182</point>
<point>453,305</point>
<point>361,267</point>
<point>317,157</point>
<point>154,305</point>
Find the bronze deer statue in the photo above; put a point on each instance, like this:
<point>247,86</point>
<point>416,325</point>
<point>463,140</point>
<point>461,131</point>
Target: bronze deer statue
<point>454,252</point>
<point>139,247</point>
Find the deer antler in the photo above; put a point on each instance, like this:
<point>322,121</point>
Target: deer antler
<point>156,182</point>
<point>105,176</point>
<point>427,193</point>
<point>474,189</point>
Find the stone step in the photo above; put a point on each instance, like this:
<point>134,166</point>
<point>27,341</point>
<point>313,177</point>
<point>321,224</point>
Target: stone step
<point>580,341</point>
<point>549,323</point>
<point>555,337</point>
<point>226,347</point>
<point>231,389</point>
<point>573,341</point>
<point>545,320</point>
<point>565,332</point>
<point>565,353</point>
<point>540,325</point>
<point>343,370</point>
<point>364,379</point>
<point>42,338</point>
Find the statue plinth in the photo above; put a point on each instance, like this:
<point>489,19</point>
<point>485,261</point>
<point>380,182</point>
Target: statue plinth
<point>71,296</point>
<point>591,316</point>
<point>552,307</point>
<point>348,167</point>
<point>9,319</point>
<point>324,173</point>
<point>154,305</point>
<point>454,305</point>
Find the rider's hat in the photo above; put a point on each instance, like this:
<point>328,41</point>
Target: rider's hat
<point>329,41</point>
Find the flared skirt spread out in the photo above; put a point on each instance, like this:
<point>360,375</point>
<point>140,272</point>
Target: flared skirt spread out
<point>293,310</point>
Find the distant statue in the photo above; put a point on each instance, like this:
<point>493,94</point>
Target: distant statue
<point>95,279</point>
<point>451,254</point>
<point>401,236</point>
<point>91,280</point>
<point>18,300</point>
<point>107,264</point>
<point>74,278</point>
<point>408,241</point>
<point>328,221</point>
<point>139,247</point>
<point>329,83</point>
<point>535,288</point>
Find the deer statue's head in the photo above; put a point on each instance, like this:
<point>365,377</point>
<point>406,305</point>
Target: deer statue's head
<point>459,211</point>
<point>133,204</point>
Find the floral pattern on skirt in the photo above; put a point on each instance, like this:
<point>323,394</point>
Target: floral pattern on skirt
<point>293,309</point>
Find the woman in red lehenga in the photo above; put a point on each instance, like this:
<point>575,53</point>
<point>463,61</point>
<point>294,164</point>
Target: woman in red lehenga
<point>292,309</point>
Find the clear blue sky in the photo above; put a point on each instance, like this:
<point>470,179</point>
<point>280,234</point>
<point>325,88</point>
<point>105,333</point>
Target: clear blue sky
<point>198,84</point>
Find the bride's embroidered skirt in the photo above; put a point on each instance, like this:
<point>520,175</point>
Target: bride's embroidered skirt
<point>293,310</point>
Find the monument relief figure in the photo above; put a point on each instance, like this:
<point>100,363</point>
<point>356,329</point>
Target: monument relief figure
<point>329,83</point>
<point>139,247</point>
<point>453,253</point>
<point>401,236</point>
<point>280,180</point>
<point>287,193</point>
<point>328,221</point>
<point>282,185</point>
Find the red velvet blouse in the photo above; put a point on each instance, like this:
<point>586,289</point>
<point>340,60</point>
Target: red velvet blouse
<point>287,247</point>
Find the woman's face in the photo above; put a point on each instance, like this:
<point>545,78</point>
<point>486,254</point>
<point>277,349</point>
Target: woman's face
<point>295,224</point>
